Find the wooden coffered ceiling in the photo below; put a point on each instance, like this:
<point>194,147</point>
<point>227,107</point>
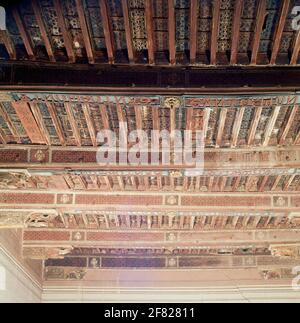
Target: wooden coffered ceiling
<point>160,32</point>
<point>73,68</point>
<point>77,216</point>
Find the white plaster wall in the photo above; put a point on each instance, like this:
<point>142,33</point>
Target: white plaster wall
<point>15,284</point>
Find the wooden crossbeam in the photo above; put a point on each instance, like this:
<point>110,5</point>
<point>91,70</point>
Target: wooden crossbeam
<point>121,183</point>
<point>3,138</point>
<point>236,183</point>
<point>270,125</point>
<point>56,123</point>
<point>172,34</point>
<point>159,182</point>
<point>156,123</point>
<point>85,32</point>
<point>215,31</point>
<point>276,182</point>
<point>210,183</point>
<point>146,182</point>
<point>28,121</point>
<point>122,120</point>
<point>150,31</point>
<point>24,34</point>
<point>172,183</point>
<point>90,123</point>
<point>107,29</point>
<point>128,32</point>
<point>65,33</point>
<point>39,18</point>
<point>73,123</point>
<point>134,183</point>
<point>284,11</point>
<point>138,117</point>
<point>289,182</point>
<point>206,118</point>
<point>104,116</point>
<point>109,183</point>
<point>260,19</point>
<point>288,125</point>
<point>189,118</point>
<point>9,45</point>
<point>297,139</point>
<point>237,126</point>
<point>40,121</point>
<point>194,12</point>
<point>236,31</point>
<point>296,49</point>
<point>263,184</point>
<point>254,125</point>
<point>223,182</point>
<point>9,123</point>
<point>222,121</point>
<point>185,184</point>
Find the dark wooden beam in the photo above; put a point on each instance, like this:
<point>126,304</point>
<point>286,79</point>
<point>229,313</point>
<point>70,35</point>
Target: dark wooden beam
<point>39,18</point>
<point>150,31</point>
<point>107,29</point>
<point>215,32</point>
<point>236,31</point>
<point>24,35</point>
<point>85,32</point>
<point>129,42</point>
<point>260,19</point>
<point>65,33</point>
<point>296,49</point>
<point>9,45</point>
<point>172,31</point>
<point>279,30</point>
<point>194,30</point>
<point>26,76</point>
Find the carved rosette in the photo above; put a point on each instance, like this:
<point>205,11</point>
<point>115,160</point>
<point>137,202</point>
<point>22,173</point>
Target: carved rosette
<point>172,102</point>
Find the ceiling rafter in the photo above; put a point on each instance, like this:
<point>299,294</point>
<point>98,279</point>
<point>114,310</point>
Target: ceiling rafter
<point>107,29</point>
<point>261,16</point>
<point>284,11</point>
<point>236,31</point>
<point>40,21</point>
<point>24,34</point>
<point>65,33</point>
<point>215,31</point>
<point>85,32</point>
<point>150,31</point>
